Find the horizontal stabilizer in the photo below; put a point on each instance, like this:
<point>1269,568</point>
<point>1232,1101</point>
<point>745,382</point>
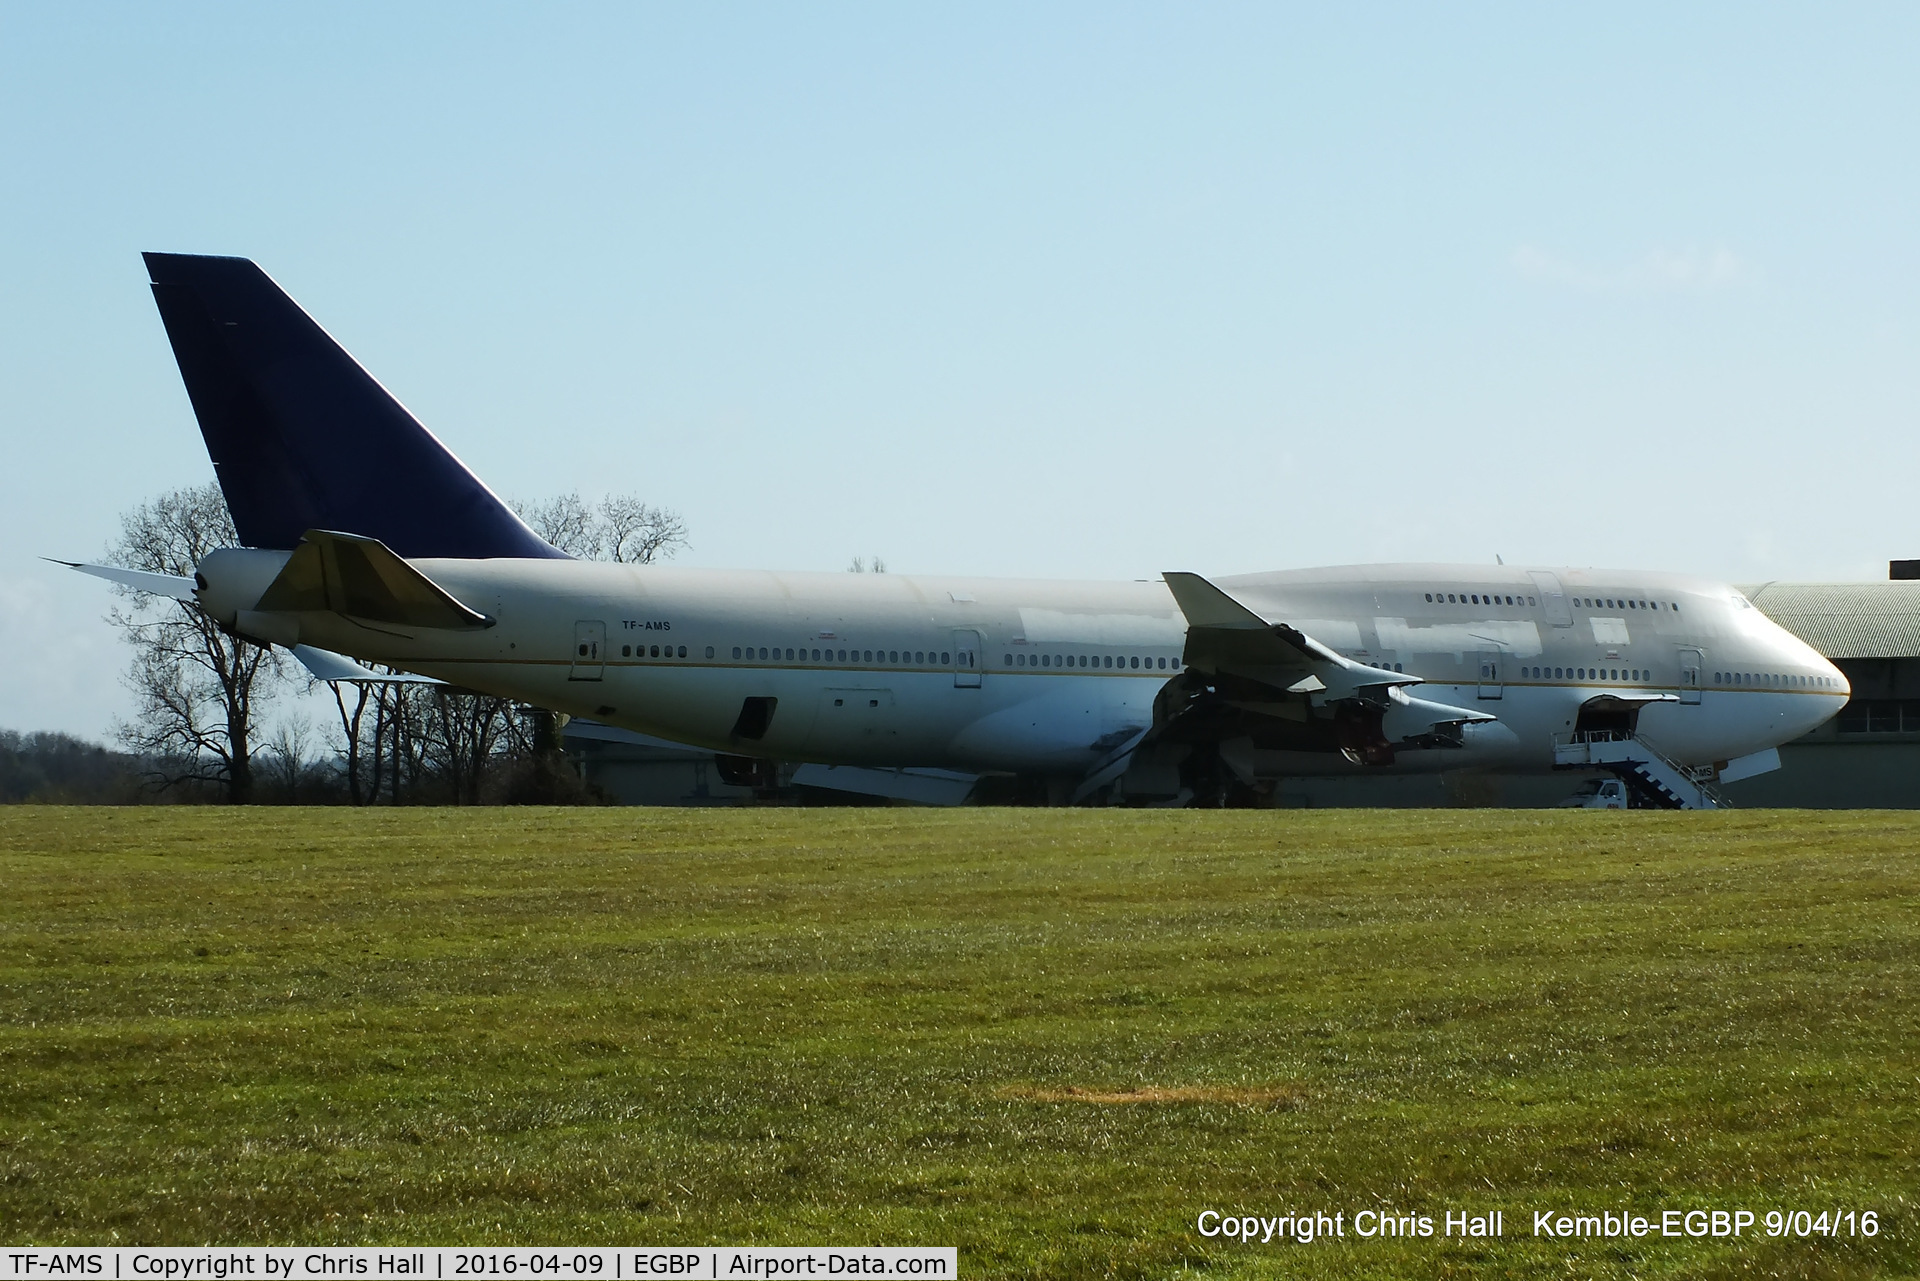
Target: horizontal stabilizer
<point>174,585</point>
<point>362,579</point>
<point>325,665</point>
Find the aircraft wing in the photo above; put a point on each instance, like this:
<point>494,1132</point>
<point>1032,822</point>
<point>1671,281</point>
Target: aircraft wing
<point>1252,667</point>
<point>1225,636</point>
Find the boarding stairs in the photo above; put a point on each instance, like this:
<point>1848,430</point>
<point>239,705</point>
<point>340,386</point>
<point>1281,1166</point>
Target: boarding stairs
<point>1654,779</point>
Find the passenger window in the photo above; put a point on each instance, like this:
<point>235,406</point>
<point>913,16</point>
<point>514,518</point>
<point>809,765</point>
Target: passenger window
<point>1429,598</point>
<point>626,651</point>
<point>1009,660</point>
<point>1133,662</point>
<point>736,651</point>
<point>683,651</point>
<point>893,656</point>
<point>709,651</point>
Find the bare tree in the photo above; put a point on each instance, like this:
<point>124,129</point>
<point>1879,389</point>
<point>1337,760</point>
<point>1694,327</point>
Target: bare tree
<point>618,528</point>
<point>287,750</point>
<point>196,687</point>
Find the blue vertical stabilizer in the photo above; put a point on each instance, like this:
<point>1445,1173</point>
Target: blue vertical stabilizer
<point>303,438</point>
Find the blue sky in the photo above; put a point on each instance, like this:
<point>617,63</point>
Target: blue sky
<point>1075,291</point>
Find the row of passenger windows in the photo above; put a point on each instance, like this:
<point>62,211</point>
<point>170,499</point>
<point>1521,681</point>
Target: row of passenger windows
<point>1585,602</point>
<point>804,655</point>
<point>1774,680</point>
<point>1588,673</point>
<point>945,657</point>
<point>1130,661</point>
<point>652,651</point>
<point>1589,602</point>
<point>1476,598</point>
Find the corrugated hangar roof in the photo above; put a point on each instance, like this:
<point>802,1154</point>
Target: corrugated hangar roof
<point>1846,620</point>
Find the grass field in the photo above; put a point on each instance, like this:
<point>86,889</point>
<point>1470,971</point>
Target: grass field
<point>1052,1038</point>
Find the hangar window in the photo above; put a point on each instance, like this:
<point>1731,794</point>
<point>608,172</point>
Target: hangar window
<point>1880,716</point>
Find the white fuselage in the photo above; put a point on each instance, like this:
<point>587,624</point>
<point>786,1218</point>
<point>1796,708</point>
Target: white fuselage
<point>1035,676</point>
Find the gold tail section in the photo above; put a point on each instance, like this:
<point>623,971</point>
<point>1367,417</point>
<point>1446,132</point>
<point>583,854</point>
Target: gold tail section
<point>363,579</point>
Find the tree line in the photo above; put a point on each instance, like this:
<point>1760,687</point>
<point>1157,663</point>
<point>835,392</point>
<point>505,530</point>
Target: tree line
<point>199,732</point>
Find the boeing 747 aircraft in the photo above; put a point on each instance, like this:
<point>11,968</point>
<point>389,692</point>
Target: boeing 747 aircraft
<point>365,539</point>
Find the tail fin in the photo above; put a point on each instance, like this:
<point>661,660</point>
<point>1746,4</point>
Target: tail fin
<point>303,438</point>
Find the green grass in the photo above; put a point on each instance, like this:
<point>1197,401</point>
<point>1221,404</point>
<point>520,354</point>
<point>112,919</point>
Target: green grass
<point>883,1026</point>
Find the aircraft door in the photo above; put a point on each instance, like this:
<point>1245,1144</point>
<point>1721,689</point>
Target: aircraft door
<point>1490,674</point>
<point>589,651</point>
<point>968,655</point>
<point>1552,598</point>
<point>1690,661</point>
